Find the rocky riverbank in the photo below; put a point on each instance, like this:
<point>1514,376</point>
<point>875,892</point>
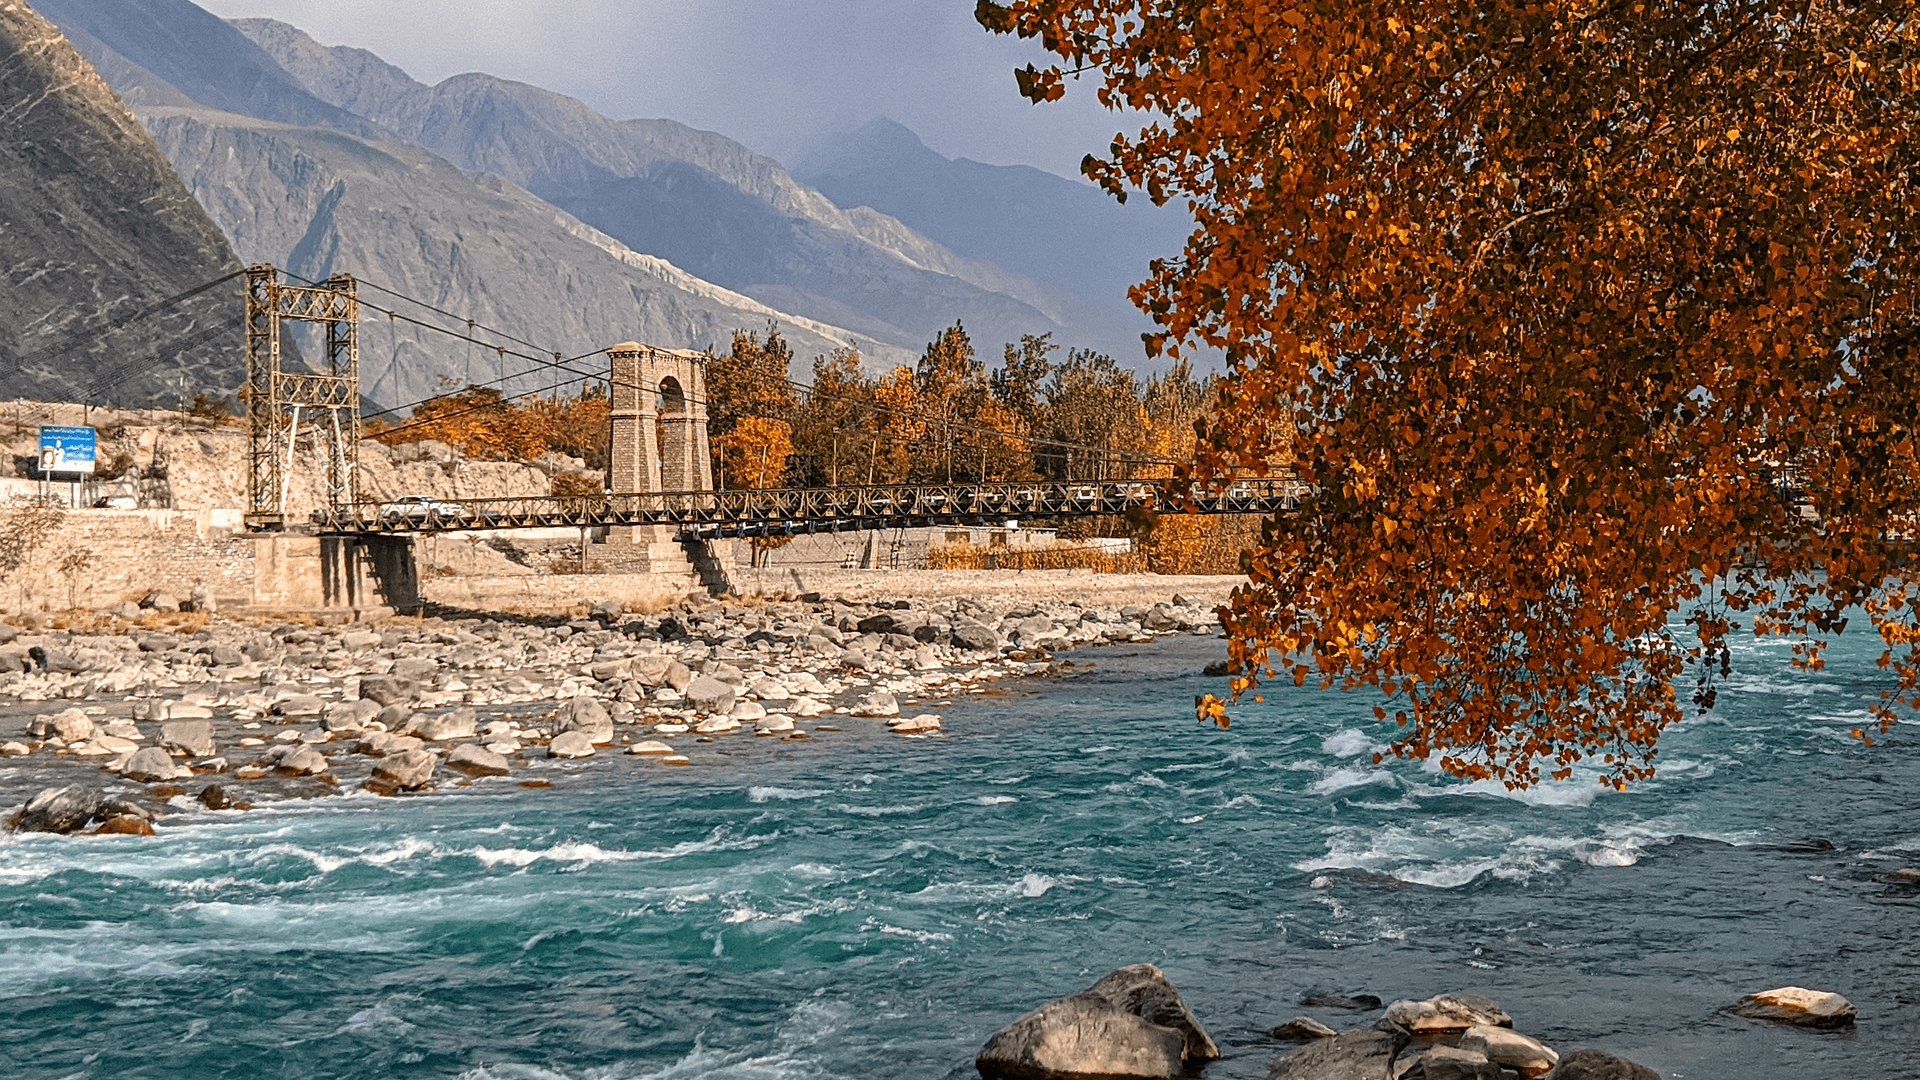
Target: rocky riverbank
<point>1133,1025</point>
<point>137,717</point>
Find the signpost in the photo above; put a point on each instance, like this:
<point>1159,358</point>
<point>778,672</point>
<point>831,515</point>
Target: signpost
<point>67,450</point>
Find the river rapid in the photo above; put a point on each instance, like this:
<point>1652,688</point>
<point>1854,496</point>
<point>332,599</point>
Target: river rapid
<point>867,905</point>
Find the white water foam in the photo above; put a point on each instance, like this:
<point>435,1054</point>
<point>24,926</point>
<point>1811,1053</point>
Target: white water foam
<point>762,794</point>
<point>1349,743</point>
<point>1348,779</point>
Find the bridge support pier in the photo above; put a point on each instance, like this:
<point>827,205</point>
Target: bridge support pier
<point>346,573</point>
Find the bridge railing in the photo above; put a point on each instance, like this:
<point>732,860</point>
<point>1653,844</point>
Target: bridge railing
<point>786,511</point>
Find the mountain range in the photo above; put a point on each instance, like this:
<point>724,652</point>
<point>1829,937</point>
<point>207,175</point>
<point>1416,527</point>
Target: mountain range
<point>98,233</point>
<point>548,223</point>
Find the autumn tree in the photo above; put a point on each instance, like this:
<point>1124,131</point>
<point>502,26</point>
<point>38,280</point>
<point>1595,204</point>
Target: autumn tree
<point>750,379</point>
<point>1548,301</point>
<point>834,423</point>
<point>1092,415</point>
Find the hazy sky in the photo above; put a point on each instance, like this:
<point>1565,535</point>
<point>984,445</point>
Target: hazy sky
<point>770,73</point>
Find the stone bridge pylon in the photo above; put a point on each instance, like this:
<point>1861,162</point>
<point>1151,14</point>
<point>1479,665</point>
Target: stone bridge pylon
<point>659,443</point>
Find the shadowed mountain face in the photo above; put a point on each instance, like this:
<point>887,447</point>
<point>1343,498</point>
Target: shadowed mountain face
<point>95,231</point>
<point>324,198</point>
<point>700,200</point>
<point>1066,234</point>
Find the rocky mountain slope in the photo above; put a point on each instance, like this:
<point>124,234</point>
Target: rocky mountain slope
<point>96,230</point>
<point>1064,233</point>
<point>698,199</point>
<point>338,195</point>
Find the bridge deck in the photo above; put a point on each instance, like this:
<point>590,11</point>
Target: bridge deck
<point>789,511</point>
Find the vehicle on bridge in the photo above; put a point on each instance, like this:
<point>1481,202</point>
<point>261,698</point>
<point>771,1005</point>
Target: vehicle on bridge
<point>420,510</point>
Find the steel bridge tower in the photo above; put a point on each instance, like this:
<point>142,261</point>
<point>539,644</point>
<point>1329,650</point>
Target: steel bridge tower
<point>278,401</point>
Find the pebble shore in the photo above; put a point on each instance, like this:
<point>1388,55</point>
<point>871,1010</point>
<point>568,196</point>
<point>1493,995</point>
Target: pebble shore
<point>144,716</point>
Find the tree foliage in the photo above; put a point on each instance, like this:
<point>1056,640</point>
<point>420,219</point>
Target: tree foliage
<point>1551,301</point>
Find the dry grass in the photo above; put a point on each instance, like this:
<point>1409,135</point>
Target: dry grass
<point>1059,557</point>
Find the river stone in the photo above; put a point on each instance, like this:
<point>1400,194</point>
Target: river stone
<point>226,656</point>
<point>355,640</point>
<point>1359,1054</point>
<point>649,670</point>
<point>914,725</point>
<point>771,690</point>
<point>15,749</point>
<point>385,689</point>
<point>476,761</point>
<point>299,705</point>
<point>776,724</point>
<point>679,676</point>
<point>153,764</point>
<point>650,746</point>
<point>1445,1016</point>
<point>747,711</point>
<point>1505,1046</point>
<point>59,810</point>
<point>1132,1023</point>
<point>1302,1029</point>
<point>1797,1006</point>
<point>709,695</point>
<point>586,715</point>
<point>414,668</point>
<point>406,771</point>
<point>458,724</point>
<point>55,660</point>
<point>184,710</point>
<point>1600,1065</point>
<point>71,725</point>
<point>301,761</point>
<point>570,744</point>
<point>1441,1062</point>
<point>348,717</point>
<point>193,738</point>
<point>1033,629</point>
<point>878,703</point>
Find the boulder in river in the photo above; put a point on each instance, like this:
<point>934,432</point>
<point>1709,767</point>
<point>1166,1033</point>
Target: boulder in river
<point>710,695</point>
<point>406,771</point>
<point>570,744</point>
<point>1131,1024</point>
<point>301,761</point>
<point>71,725</point>
<point>385,689</point>
<point>1359,1054</point>
<point>1506,1047</point>
<point>1600,1065</point>
<point>153,764</point>
<point>60,810</point>
<point>974,637</point>
<point>125,825</point>
<point>586,715</point>
<point>1797,1006</point>
<point>1302,1029</point>
<point>1445,1016</point>
<point>476,761</point>
<point>878,703</point>
<point>193,738</point>
<point>458,724</point>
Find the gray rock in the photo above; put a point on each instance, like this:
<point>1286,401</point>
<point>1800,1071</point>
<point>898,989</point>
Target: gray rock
<point>1797,1006</point>
<point>586,715</point>
<point>1441,1062</point>
<point>412,668</point>
<point>300,705</point>
<point>348,717</point>
<point>1130,1024</point>
<point>1359,1054</point>
<point>408,771</point>
<point>878,703</point>
<point>1033,629</point>
<point>679,676</point>
<point>55,660</point>
<point>458,724</point>
<point>386,689</point>
<point>975,637</point>
<point>1445,1015</point>
<point>1600,1065</point>
<point>710,695</point>
<point>727,673</point>
<point>166,603</point>
<point>193,738</point>
<point>476,761</point>
<point>151,764</point>
<point>1302,1029</point>
<point>69,725</point>
<point>201,599</point>
<point>395,716</point>
<point>1506,1047</point>
<point>60,810</point>
<point>570,744</point>
<point>301,760</point>
<point>226,656</point>
<point>650,670</point>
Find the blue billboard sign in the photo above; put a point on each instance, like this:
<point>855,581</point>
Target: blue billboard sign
<point>67,450</point>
